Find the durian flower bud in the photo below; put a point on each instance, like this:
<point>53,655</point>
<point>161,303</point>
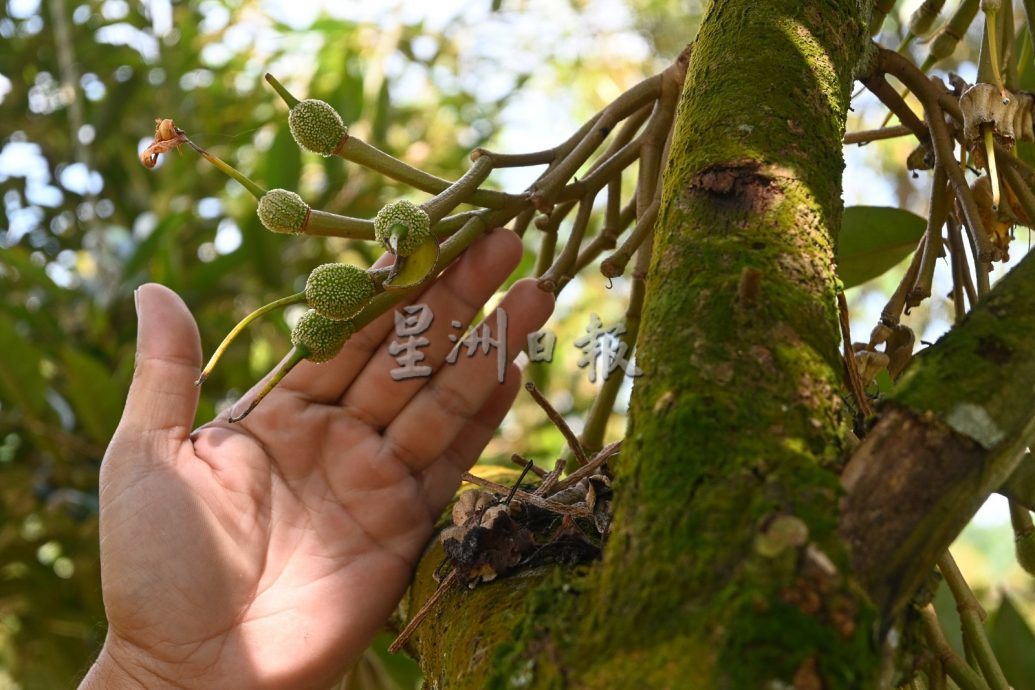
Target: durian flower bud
<point>338,291</point>
<point>316,126</point>
<point>320,337</point>
<point>401,227</point>
<point>281,210</point>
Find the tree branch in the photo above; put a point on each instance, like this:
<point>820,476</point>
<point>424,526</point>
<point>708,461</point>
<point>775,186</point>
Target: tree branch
<point>953,431</point>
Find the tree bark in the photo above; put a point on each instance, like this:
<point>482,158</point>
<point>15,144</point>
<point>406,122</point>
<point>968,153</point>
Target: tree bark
<point>953,430</point>
<point>725,567</point>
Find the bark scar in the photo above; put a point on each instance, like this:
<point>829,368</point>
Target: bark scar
<point>740,185</point>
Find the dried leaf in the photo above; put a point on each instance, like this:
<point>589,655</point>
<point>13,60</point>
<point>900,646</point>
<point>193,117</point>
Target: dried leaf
<point>470,502</point>
<point>997,224</point>
<point>487,545</point>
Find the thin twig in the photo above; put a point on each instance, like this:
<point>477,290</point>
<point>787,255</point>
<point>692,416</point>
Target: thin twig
<point>358,151</point>
<point>607,238</point>
<point>550,479</point>
<point>600,411</point>
<point>411,626</point>
<point>892,312</point>
<point>1026,171</point>
<point>519,459</point>
<point>558,421</point>
<point>935,673</point>
<point>547,156</point>
<point>887,95</point>
<point>960,269</point>
<point>866,136</point>
<point>516,160</point>
<point>614,265</point>
<point>547,249</point>
<point>941,200</point>
<point>560,272</point>
<point>972,617</point>
<point>517,483</point>
<point>460,191</point>
<point>526,497</point>
<point>587,470</point>
<point>926,91</point>
<point>654,148</point>
<point>854,379</point>
<point>957,668</point>
<point>628,103</point>
<point>522,220</point>
<point>611,167</point>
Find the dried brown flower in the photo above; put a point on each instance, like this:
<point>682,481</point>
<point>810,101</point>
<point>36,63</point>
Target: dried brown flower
<point>167,137</point>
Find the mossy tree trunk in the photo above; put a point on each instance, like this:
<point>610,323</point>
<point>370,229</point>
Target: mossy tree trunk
<point>725,568</point>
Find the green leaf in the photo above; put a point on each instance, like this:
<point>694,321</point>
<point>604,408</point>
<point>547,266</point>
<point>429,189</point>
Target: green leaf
<point>282,164</point>
<point>21,382</point>
<point>874,239</point>
<point>1012,641</point>
<point>148,248</point>
<point>94,393</point>
<point>948,617</point>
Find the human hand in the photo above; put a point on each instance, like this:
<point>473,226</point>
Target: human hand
<point>267,553</point>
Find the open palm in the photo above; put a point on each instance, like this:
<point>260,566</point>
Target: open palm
<point>266,554</point>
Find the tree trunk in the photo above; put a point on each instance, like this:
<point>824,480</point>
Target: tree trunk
<point>725,568</point>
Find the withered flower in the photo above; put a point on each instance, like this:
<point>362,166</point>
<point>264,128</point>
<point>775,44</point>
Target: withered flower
<point>167,137</point>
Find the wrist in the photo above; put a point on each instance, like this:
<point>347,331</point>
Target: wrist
<point>114,670</point>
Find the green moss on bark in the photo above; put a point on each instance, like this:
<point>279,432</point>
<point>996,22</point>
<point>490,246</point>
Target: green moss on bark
<point>737,419</point>
<point>984,401</point>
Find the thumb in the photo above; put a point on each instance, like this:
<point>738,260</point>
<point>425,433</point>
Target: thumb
<point>162,398</point>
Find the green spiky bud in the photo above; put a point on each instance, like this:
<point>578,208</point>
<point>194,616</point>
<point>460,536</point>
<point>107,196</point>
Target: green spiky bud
<point>316,126</point>
<point>337,291</point>
<point>321,337</point>
<point>401,227</point>
<point>282,211</point>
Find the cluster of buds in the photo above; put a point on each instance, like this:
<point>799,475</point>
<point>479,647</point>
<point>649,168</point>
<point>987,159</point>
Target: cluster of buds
<point>343,299</point>
<point>335,293</point>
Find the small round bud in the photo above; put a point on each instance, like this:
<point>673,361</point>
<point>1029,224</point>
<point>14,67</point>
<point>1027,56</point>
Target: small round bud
<point>337,291</point>
<point>316,126</point>
<point>401,227</point>
<point>321,337</point>
<point>282,211</point>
